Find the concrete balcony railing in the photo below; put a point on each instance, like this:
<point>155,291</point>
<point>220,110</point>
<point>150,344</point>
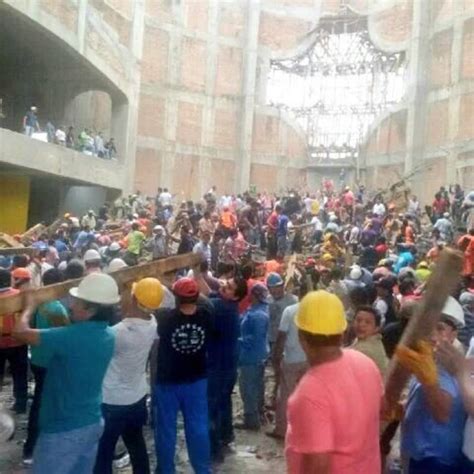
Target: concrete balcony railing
<point>38,157</point>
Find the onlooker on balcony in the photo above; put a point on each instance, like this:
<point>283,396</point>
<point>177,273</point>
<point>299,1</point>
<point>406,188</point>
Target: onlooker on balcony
<point>70,137</point>
<point>51,131</point>
<point>100,150</point>
<point>111,150</point>
<point>61,136</point>
<point>30,121</point>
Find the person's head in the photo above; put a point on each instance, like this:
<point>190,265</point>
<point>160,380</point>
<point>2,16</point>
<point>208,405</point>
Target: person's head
<point>21,278</point>
<point>206,236</point>
<point>92,259</point>
<point>147,294</point>
<point>278,209</point>
<point>321,323</point>
<point>358,297</point>
<point>186,291</point>
<point>94,298</point>
<point>135,226</point>
<point>233,289</point>
<point>258,294</point>
<point>438,196</point>
<point>20,261</point>
<point>275,285</point>
<point>5,279</point>
<point>74,269</point>
<point>366,322</point>
<point>158,230</point>
<point>52,276</point>
<point>384,287</point>
<point>406,286</point>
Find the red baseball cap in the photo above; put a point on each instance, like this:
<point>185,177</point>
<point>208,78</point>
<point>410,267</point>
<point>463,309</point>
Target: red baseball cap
<point>186,288</point>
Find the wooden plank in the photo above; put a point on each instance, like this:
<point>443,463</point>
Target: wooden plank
<point>8,241</point>
<point>31,234</point>
<point>159,268</point>
<point>441,284</point>
<point>18,251</point>
<point>52,229</point>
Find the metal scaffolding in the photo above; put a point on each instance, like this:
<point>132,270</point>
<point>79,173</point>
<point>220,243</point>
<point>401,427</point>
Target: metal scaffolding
<point>338,86</point>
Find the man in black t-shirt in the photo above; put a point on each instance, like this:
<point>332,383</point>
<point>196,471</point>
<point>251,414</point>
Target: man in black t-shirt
<point>181,378</point>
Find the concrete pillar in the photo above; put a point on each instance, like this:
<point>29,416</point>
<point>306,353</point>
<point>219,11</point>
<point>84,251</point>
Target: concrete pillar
<point>82,24</point>
<point>417,87</point>
<point>248,94</point>
<point>138,27</point>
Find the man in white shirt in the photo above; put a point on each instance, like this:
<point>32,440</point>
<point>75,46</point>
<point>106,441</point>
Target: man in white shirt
<point>125,386</point>
<point>379,208</point>
<point>165,197</point>
<point>61,136</point>
<point>290,357</point>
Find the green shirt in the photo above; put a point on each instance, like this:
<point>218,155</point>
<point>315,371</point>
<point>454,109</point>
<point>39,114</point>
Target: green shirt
<point>135,239</point>
<point>78,356</point>
<point>373,348</point>
<point>48,315</point>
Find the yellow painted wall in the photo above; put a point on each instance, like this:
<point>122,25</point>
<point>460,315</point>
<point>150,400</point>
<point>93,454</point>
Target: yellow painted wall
<point>14,200</point>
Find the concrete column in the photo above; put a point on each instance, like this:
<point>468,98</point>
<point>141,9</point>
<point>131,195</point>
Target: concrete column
<point>82,24</point>
<point>138,27</point>
<point>455,99</point>
<point>417,86</point>
<point>248,94</point>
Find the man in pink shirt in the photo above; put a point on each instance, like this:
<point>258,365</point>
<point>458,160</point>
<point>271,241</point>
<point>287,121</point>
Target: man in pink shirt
<point>333,415</point>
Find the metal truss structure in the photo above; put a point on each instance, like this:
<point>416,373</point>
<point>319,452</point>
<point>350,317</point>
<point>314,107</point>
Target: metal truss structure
<point>338,86</point>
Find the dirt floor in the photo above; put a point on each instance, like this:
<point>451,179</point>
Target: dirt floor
<point>253,452</point>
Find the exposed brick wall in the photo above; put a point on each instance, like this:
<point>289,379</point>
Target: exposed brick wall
<point>189,127</point>
<point>155,55</point>
<point>225,128</point>
<point>222,175</point>
<point>151,116</point>
<point>186,175</point>
<point>229,71</point>
<point>193,64</point>
<point>466,173</point>
<point>437,123</point>
<point>282,32</point>
<point>394,24</point>
<point>295,178</point>
<point>264,176</point>
<point>467,62</point>
<point>266,134</point>
<point>440,59</point>
<point>65,11</point>
<point>147,170</point>
<point>466,117</point>
<point>108,53</point>
<point>433,176</point>
<point>159,9</point>
<point>232,20</point>
<point>296,145</point>
<point>441,10</point>
<point>197,15</point>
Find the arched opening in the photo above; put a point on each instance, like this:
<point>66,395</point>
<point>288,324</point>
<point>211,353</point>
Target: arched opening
<point>338,86</point>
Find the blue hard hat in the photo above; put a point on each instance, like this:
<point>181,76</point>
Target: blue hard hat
<point>274,279</point>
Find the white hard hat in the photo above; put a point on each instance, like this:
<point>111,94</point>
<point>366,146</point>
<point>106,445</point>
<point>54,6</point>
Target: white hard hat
<point>332,217</point>
<point>91,255</point>
<point>62,266</point>
<point>446,214</point>
<point>97,288</point>
<point>454,311</point>
<point>116,264</point>
<point>158,227</point>
<point>114,247</point>
<point>356,273</point>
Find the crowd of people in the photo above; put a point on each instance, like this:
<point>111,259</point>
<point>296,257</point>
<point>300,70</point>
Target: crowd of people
<point>88,141</point>
<point>315,290</point>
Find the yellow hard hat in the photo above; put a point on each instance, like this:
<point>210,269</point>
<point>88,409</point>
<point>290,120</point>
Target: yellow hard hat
<point>149,292</point>
<point>321,313</point>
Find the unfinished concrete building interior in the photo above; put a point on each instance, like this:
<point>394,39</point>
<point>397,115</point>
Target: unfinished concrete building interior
<point>263,94</point>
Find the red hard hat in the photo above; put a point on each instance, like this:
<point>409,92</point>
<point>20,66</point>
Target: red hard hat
<point>186,287</point>
<point>21,273</point>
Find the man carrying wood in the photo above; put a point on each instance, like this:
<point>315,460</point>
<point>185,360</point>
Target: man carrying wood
<point>77,357</point>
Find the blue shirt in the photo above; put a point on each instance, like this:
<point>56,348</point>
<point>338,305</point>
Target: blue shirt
<point>282,229</point>
<point>253,340</point>
<point>48,315</point>
<point>78,356</point>
<point>404,260</point>
<point>60,245</point>
<point>223,349</point>
<point>83,239</point>
<point>422,436</point>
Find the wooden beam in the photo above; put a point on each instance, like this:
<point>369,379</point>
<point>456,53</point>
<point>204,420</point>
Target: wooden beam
<point>159,268</point>
<point>441,284</point>
<point>18,251</point>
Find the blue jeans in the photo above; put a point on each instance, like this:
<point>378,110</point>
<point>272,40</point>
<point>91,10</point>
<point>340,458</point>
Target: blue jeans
<point>67,452</point>
<point>220,386</point>
<point>126,421</point>
<point>433,466</point>
<point>191,399</point>
<point>251,390</point>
